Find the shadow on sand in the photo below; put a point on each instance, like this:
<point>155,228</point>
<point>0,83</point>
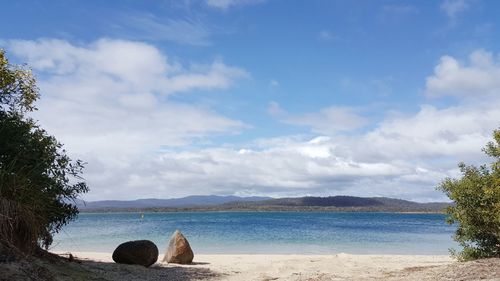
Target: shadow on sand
<point>38,269</point>
<point>159,271</point>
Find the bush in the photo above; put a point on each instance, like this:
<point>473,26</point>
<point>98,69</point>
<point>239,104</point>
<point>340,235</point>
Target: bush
<point>477,206</point>
<point>38,181</point>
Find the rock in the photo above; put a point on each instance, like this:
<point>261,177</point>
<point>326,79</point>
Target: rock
<point>141,252</point>
<point>178,250</point>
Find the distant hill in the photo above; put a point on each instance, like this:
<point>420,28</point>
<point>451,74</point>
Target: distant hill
<point>235,203</point>
<point>341,203</point>
<point>185,202</point>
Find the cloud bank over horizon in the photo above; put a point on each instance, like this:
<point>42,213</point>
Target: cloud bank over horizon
<point>229,97</point>
<point>108,101</point>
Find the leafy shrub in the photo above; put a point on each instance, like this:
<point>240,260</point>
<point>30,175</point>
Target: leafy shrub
<point>477,206</point>
<point>38,181</point>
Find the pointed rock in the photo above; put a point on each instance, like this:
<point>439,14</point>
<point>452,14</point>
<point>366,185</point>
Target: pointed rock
<point>178,250</point>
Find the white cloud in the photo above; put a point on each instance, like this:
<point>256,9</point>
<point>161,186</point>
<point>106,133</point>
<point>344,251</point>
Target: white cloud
<point>328,121</point>
<point>431,133</point>
<point>279,169</point>
<point>108,101</point>
<point>182,31</point>
<point>215,76</point>
<point>138,67</point>
<point>479,78</point>
<point>226,4</point>
<point>453,8</point>
<point>404,156</point>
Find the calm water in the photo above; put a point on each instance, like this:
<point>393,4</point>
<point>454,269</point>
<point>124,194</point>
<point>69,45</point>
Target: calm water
<point>265,232</point>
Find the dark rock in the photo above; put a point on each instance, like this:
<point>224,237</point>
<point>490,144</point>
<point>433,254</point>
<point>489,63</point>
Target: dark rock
<point>141,252</point>
<point>178,250</point>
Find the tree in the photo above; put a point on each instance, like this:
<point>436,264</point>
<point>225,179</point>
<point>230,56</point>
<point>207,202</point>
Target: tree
<point>18,91</point>
<point>38,181</point>
<point>476,209</point>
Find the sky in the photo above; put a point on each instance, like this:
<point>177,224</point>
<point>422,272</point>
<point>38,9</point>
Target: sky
<point>165,99</point>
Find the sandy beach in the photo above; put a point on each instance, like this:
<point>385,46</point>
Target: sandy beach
<point>91,266</point>
<point>275,267</point>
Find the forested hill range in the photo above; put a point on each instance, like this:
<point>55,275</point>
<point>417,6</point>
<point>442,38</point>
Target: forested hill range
<point>234,203</point>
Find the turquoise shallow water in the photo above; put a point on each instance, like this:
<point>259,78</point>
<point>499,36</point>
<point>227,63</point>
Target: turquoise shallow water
<point>265,232</point>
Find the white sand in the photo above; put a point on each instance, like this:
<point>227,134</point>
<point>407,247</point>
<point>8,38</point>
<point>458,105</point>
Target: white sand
<point>296,267</point>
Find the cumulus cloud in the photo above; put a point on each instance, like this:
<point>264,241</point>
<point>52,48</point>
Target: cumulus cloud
<point>479,78</point>
<point>403,156</point>
<point>108,101</point>
<point>328,121</point>
<point>431,133</point>
<point>290,169</point>
<point>138,67</point>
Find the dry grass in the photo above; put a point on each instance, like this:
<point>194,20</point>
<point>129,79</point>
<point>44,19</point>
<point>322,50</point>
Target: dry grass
<point>37,269</point>
<point>20,227</point>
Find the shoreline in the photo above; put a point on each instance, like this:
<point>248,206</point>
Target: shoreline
<point>149,211</point>
<point>268,250</point>
<point>104,255</point>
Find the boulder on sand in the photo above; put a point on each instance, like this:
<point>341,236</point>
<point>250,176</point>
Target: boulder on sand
<point>178,250</point>
<point>141,252</point>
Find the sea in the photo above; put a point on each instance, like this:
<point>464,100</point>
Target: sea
<point>265,232</point>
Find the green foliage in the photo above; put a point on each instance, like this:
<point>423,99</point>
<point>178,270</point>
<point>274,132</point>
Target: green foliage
<point>477,206</point>
<point>38,181</point>
<point>18,90</point>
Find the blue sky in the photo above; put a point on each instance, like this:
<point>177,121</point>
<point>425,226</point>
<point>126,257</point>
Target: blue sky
<point>254,97</point>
